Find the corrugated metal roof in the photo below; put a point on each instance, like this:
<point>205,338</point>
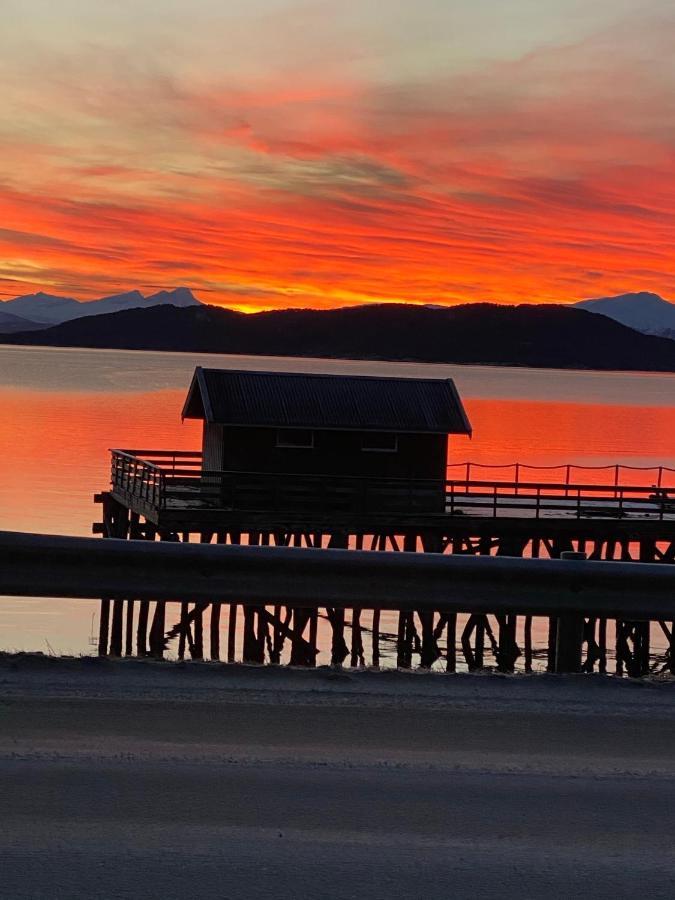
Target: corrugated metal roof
<point>339,402</point>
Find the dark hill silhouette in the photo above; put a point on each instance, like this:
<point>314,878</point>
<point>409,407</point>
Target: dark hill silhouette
<point>547,336</point>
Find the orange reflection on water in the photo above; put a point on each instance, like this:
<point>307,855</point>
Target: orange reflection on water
<point>556,434</point>
<point>54,450</point>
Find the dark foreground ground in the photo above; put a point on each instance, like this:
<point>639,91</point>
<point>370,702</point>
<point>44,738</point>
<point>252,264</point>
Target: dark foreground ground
<point>134,780</point>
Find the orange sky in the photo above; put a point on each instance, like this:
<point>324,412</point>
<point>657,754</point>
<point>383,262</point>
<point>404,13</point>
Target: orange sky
<point>273,153</point>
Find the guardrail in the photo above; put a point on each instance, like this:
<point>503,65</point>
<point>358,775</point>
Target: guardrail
<point>35,565</point>
<point>571,593</point>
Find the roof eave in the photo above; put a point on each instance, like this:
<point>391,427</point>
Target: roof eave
<point>198,383</point>
<point>460,408</point>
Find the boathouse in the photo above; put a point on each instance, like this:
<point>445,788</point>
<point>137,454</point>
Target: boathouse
<point>292,424</point>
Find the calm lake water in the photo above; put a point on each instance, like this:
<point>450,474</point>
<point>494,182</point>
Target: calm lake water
<point>62,409</point>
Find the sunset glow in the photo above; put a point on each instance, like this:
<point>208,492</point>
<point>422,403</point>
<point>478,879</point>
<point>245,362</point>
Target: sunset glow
<point>273,153</point>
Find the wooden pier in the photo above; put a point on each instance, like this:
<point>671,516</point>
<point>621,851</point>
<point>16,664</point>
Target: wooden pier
<point>168,496</point>
<point>358,463</point>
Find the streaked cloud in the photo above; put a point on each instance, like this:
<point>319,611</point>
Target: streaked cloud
<point>277,153</point>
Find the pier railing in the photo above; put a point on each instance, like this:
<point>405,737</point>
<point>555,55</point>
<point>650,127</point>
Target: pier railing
<point>500,595</point>
<point>615,475</point>
<point>176,479</point>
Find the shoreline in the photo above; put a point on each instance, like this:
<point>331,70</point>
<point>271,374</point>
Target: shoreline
<point>133,678</point>
<point>384,360</point>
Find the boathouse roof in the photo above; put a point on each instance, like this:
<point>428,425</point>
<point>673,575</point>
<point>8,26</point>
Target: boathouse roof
<point>332,402</point>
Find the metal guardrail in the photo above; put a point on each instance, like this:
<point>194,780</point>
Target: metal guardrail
<point>71,567</point>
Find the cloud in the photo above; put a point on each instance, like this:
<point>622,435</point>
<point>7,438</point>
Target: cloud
<point>536,176</point>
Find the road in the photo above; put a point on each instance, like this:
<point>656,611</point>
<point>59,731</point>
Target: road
<point>120,782</point>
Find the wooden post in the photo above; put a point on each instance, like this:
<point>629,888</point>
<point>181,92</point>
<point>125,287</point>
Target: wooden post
<point>184,625</point>
<point>357,643</point>
<point>376,638</point>
<point>568,643</point>
<point>401,654</point>
<point>277,637</point>
<point>117,625</point>
<point>480,641</point>
<point>198,650</point>
<point>215,631</point>
<point>129,633</point>
<point>451,665</point>
<point>552,639</point>
<point>430,652</point>
<point>570,632</point>
<point>528,643</point>
<point>313,634</point>
<point>339,650</point>
<point>232,633</point>
<point>250,653</point>
<point>157,631</point>
<point>602,645</point>
<point>507,649</point>
<point>103,628</point>
<point>142,632</point>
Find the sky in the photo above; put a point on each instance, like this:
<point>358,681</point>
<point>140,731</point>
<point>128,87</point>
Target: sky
<point>269,153</point>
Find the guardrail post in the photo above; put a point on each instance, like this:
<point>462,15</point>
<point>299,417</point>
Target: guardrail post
<point>569,633</point>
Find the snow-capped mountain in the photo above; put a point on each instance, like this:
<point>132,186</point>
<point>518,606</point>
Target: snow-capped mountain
<point>10,323</point>
<point>642,311</point>
<point>48,309</point>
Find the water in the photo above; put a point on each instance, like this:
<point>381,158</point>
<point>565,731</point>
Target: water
<point>62,409</point>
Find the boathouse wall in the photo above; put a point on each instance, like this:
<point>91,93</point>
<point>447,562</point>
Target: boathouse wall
<point>325,452</point>
<point>212,447</point>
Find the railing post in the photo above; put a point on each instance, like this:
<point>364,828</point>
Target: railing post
<point>569,633</point>
<point>517,475</point>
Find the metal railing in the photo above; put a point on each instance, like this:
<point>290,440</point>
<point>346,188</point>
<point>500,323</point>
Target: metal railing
<point>36,565</point>
<point>577,596</point>
<point>567,473</point>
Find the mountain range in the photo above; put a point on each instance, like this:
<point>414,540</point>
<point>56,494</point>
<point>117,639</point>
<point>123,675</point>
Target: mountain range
<point>478,333</point>
<point>10,323</point>
<point>642,311</point>
<point>41,310</point>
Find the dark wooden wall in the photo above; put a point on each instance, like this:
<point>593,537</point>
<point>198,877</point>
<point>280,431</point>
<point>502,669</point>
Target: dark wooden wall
<point>334,453</point>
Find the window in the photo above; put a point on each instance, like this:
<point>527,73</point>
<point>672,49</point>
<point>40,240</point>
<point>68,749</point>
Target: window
<point>295,438</point>
<point>382,442</point>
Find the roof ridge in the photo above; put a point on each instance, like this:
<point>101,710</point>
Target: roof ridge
<point>342,375</point>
